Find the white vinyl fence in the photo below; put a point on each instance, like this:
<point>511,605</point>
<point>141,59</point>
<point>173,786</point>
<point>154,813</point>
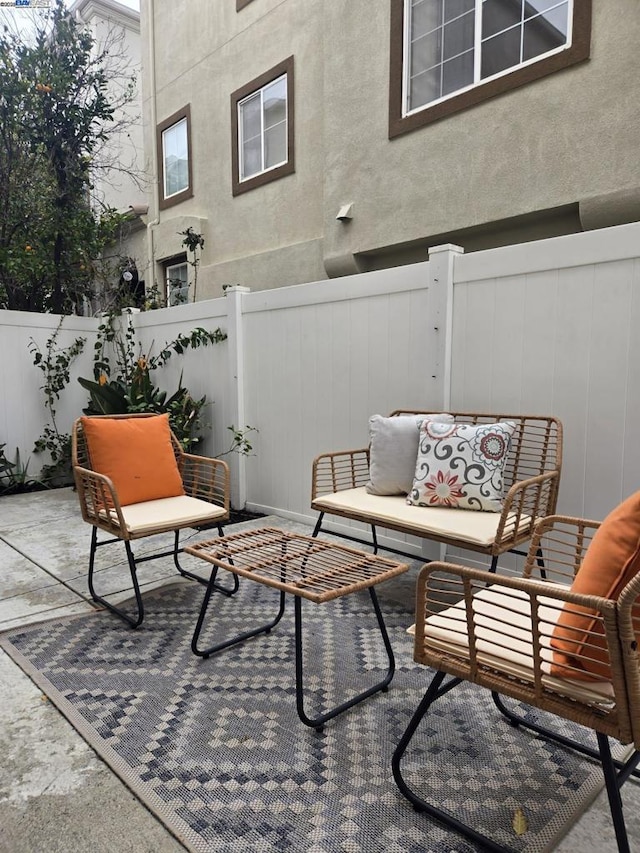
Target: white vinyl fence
<point>546,327</point>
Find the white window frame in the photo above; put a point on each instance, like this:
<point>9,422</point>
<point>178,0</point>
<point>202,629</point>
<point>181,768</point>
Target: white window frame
<point>478,80</point>
<point>171,289</point>
<point>261,91</point>
<point>174,127</point>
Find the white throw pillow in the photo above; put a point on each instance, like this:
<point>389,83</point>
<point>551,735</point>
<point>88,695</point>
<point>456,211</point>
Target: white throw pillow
<point>461,465</point>
<point>393,449</point>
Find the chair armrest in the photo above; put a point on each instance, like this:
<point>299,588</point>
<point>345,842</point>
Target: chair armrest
<point>558,546</point>
<point>205,478</point>
<point>344,469</point>
<point>99,502</point>
<point>524,504</point>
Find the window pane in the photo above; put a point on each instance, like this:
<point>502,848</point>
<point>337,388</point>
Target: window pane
<point>176,176</point>
<point>501,52</point>
<point>176,161</point>
<point>426,52</point>
<point>425,16</point>
<point>177,284</point>
<point>425,88</point>
<point>433,42</point>
<point>250,113</point>
<point>498,16</point>
<point>457,73</point>
<point>545,32</point>
<point>454,8</point>
<point>458,36</point>
<point>275,103</point>
<point>275,145</point>
<point>263,119</point>
<point>532,7</point>
<point>251,157</point>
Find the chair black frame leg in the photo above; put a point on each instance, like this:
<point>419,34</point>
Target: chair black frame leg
<point>615,773</point>
<point>216,647</point>
<point>628,767</point>
<point>318,722</point>
<point>136,620</point>
<point>204,581</point>
<point>613,785</point>
<point>435,691</point>
<point>132,621</point>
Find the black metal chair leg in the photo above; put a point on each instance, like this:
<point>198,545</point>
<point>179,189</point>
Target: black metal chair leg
<point>318,526</point>
<point>516,721</point>
<point>132,621</point>
<point>434,692</point>
<point>318,722</point>
<point>540,562</point>
<point>539,559</point>
<point>204,581</point>
<point>216,647</point>
<point>613,792</point>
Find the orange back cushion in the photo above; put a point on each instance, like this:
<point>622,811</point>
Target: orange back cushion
<point>136,454</point>
<point>611,561</point>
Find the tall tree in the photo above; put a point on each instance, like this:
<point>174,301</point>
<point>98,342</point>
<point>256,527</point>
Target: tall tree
<point>55,113</point>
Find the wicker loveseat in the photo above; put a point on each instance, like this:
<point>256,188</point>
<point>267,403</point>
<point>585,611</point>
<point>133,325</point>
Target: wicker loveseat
<point>531,479</point>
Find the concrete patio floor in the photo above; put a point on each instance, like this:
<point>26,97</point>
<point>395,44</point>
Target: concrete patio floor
<point>56,795</point>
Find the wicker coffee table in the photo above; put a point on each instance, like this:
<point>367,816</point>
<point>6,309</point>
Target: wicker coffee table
<point>304,567</point>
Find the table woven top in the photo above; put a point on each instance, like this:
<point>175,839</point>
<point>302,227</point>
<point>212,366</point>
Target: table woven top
<point>301,565</point>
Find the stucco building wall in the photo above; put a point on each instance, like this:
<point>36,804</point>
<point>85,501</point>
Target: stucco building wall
<point>552,157</point>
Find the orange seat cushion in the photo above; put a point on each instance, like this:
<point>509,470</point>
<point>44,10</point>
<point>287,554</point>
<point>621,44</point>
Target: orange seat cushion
<point>611,561</point>
<point>137,456</point>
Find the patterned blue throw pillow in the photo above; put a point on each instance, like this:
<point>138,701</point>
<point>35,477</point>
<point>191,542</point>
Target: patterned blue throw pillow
<point>461,466</point>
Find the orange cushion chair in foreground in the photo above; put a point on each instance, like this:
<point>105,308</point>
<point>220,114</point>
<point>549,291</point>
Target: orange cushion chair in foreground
<point>560,637</point>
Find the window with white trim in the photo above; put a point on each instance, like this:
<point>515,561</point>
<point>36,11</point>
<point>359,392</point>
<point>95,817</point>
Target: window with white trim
<point>262,128</point>
<point>454,44</point>
<point>262,118</point>
<point>174,158</point>
<point>450,54</point>
<point>177,278</point>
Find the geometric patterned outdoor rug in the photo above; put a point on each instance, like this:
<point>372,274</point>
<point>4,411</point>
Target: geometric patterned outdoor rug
<point>215,749</point>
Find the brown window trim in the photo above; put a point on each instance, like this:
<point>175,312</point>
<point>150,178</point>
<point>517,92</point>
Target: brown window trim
<point>399,124</point>
<point>164,203</point>
<point>240,4</point>
<point>238,186</point>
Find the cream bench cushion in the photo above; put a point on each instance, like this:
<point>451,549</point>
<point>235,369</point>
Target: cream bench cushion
<point>469,525</point>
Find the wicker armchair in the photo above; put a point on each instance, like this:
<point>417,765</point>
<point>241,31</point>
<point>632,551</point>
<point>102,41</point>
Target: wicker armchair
<point>502,634</point>
<point>205,503</point>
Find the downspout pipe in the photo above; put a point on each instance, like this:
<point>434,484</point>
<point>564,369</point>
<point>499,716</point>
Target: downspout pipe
<point>151,30</point>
